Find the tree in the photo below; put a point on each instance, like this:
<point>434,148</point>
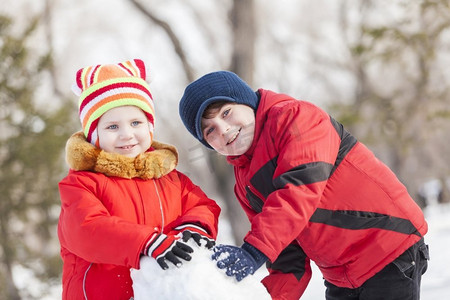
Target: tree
<point>401,93</point>
<point>241,17</point>
<point>34,129</point>
<point>242,63</point>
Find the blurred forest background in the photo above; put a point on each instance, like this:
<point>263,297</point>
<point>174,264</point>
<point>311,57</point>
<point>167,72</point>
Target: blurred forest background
<point>379,67</point>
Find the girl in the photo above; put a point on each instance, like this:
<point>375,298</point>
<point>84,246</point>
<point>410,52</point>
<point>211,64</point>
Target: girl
<point>123,197</point>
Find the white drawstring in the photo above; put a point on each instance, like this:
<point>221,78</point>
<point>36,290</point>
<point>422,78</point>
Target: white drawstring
<point>84,282</point>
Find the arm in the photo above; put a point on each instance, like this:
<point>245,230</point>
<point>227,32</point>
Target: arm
<point>289,274</point>
<point>199,215</point>
<point>307,145</point>
<point>88,230</point>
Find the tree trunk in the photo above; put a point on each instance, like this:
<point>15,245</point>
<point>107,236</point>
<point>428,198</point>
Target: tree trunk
<point>242,17</point>
<point>242,63</point>
<point>225,186</point>
<point>11,289</point>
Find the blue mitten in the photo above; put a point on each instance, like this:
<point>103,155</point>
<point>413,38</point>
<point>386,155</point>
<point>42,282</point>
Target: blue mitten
<point>239,261</point>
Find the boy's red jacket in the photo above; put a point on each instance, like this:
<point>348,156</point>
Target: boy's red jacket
<point>312,191</point>
<point>105,220</point>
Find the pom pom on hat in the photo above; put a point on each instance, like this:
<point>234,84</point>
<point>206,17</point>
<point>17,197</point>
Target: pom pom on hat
<point>210,88</point>
<point>103,87</point>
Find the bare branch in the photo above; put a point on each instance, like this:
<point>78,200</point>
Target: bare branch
<point>172,36</point>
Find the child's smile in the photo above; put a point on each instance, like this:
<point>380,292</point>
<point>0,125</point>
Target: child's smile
<point>124,130</point>
<point>230,131</point>
<point>234,137</point>
<point>127,148</point>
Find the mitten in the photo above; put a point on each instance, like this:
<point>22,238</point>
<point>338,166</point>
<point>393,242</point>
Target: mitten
<point>239,262</point>
<point>167,248</point>
<point>197,233</point>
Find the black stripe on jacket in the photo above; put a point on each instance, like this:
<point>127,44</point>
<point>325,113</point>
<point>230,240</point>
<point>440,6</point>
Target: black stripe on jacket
<point>347,143</point>
<point>303,174</point>
<point>291,260</point>
<point>262,179</point>
<point>354,220</point>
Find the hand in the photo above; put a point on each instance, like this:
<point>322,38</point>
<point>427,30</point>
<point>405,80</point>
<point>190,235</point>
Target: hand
<point>168,248</point>
<point>239,262</point>
<point>197,233</point>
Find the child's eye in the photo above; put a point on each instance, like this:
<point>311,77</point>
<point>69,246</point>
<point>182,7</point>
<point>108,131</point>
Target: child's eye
<point>226,112</point>
<point>135,123</point>
<point>112,127</point>
<point>208,131</point>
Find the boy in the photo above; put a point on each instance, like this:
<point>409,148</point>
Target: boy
<point>123,197</point>
<point>311,192</point>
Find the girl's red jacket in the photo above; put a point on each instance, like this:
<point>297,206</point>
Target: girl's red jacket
<point>107,217</point>
<point>312,191</point>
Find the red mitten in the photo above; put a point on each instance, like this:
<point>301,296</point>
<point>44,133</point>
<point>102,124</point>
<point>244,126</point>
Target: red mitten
<point>197,233</point>
<point>167,247</point>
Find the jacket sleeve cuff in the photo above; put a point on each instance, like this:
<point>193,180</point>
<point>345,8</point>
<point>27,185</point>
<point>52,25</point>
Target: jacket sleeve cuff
<point>259,257</point>
<point>192,227</point>
<point>149,242</point>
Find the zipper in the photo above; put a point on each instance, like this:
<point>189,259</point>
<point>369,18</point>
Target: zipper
<point>254,199</point>
<point>160,207</point>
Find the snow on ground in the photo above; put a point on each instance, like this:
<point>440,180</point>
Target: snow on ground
<point>436,280</point>
<point>201,279</point>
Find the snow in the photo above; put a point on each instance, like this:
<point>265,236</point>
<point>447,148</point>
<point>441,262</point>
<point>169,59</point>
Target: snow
<point>436,281</point>
<point>201,279</point>
<point>195,279</point>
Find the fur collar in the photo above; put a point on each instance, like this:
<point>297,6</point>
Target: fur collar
<point>83,156</point>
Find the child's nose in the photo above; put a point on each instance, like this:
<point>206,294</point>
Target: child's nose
<point>224,127</point>
<point>126,133</point>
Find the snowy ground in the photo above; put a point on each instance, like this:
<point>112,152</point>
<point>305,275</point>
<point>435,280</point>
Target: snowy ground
<point>435,283</point>
<point>201,280</point>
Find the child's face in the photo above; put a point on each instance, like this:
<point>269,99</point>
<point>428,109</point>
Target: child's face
<point>124,130</point>
<point>230,131</point>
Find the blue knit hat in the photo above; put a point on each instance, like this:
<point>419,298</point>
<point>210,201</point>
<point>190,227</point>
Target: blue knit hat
<point>210,88</point>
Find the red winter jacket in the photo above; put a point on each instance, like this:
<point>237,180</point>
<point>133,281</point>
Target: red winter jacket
<point>312,191</point>
<point>109,212</point>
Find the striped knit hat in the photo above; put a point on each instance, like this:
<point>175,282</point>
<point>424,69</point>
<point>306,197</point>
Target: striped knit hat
<point>103,87</point>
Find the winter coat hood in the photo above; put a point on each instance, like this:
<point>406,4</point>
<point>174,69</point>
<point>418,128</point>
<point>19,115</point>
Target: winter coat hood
<point>83,156</point>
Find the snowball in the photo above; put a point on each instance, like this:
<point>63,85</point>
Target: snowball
<point>197,279</point>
